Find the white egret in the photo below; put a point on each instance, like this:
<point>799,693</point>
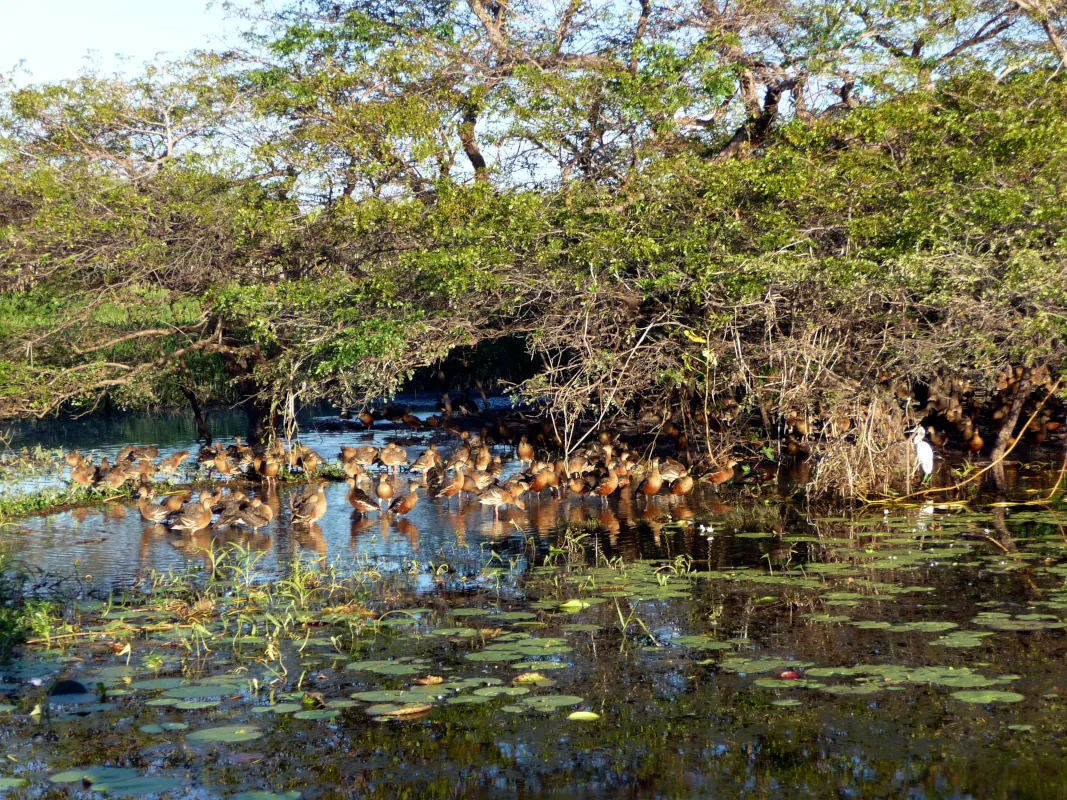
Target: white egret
<point>924,453</point>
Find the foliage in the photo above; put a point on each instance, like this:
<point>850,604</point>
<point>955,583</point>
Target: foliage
<point>703,210</point>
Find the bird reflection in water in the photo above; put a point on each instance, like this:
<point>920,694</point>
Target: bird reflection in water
<point>114,512</point>
<point>310,536</point>
<point>406,528</point>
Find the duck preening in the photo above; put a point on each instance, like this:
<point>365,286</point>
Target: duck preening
<point>311,506</point>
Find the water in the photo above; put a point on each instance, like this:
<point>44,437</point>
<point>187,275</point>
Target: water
<point>927,645</point>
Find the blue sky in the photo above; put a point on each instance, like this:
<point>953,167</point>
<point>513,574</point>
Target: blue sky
<point>54,37</point>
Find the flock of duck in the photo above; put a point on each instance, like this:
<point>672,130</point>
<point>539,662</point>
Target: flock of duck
<point>470,471</point>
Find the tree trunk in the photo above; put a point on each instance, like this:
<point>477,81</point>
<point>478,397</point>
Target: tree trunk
<point>262,421</point>
<point>202,433</point>
<point>1004,437</point>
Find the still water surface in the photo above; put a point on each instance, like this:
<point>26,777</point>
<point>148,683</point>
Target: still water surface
<point>787,653</point>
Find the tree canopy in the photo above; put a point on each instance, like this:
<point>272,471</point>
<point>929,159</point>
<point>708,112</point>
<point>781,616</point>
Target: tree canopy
<point>702,207</point>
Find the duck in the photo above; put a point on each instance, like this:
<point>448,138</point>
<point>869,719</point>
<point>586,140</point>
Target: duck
<point>461,456</point>
<point>239,451</point>
<point>115,477</point>
<point>393,457</point>
<point>254,514</point>
<point>310,507</point>
<point>173,462</point>
<point>365,455</point>
<point>672,470</point>
<point>427,460</point>
<point>221,500</point>
<point>267,467</point>
<point>84,474</point>
<point>74,459</point>
<point>359,499</point>
<point>366,418</point>
<point>476,482</point>
<point>310,461</point>
<point>607,485</point>
<point>498,497</point>
<point>455,487</point>
<point>411,420</point>
<point>353,470</point>
<point>258,514</point>
<point>722,475</point>
<point>525,451</point>
<point>651,485</point>
<point>578,485</point>
<point>150,512</point>
<point>224,466</point>
<point>406,504</point>
<point>347,453</point>
<point>174,502</point>
<point>384,490</point>
<point>194,516</point>
<point>682,486</point>
<point>483,459</point>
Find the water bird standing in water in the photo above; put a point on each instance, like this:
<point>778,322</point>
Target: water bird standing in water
<point>359,499</point>
<point>526,452</point>
<point>924,453</point>
<point>150,512</point>
<point>393,457</point>
<point>310,507</point>
<point>498,497</point>
<point>723,475</point>
<point>651,485</point>
<point>194,516</point>
<point>384,490</point>
<point>173,462</point>
<point>607,485</point>
<point>454,487</point>
<point>405,504</point>
<point>682,486</point>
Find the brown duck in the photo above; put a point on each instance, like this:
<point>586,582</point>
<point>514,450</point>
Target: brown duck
<point>359,499</point>
<point>406,504</point>
<point>173,463</point>
<point>652,484</point>
<point>194,516</point>
<point>150,512</point>
<point>453,488</point>
<point>384,490</point>
<point>311,507</point>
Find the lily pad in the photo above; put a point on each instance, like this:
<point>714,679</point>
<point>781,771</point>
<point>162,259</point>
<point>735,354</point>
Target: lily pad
<point>318,713</point>
<point>164,727</point>
<point>195,705</point>
<point>496,691</point>
<point>226,734</point>
<point>699,642</point>
<point>984,696</point>
<point>549,702</point>
<point>277,708</point>
<point>93,775</point>
<point>128,787</point>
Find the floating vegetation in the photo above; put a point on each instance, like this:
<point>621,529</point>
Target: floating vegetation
<point>245,660</point>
